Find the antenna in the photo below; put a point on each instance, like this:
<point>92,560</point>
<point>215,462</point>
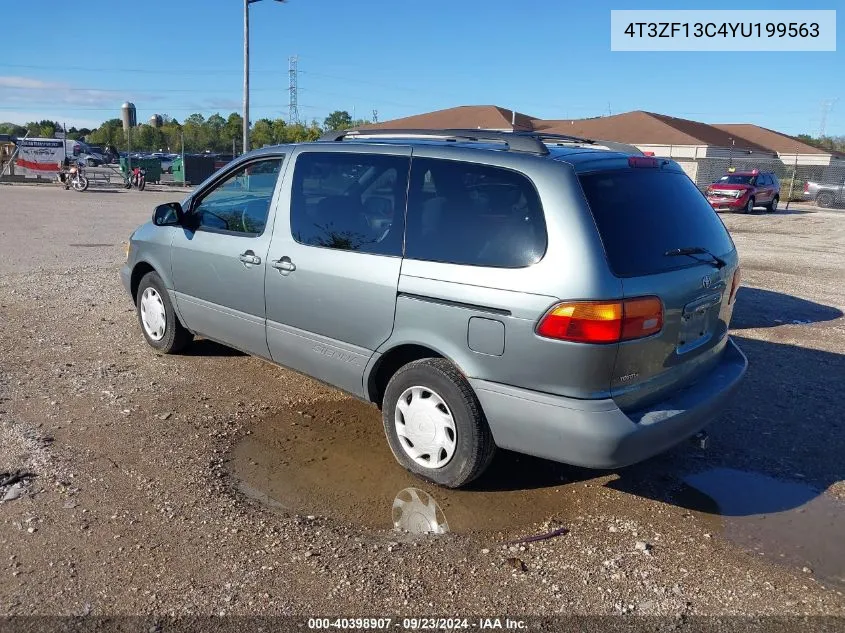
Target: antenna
<point>827,106</point>
<point>293,107</point>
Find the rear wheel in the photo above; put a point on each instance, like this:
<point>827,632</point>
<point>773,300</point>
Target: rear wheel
<point>141,184</point>
<point>434,423</point>
<point>157,317</point>
<point>825,199</point>
<point>773,205</point>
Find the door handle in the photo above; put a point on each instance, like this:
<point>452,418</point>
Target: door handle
<point>249,257</point>
<point>284,264</point>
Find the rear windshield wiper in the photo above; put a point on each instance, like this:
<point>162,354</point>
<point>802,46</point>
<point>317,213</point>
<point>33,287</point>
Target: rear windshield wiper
<point>696,250</point>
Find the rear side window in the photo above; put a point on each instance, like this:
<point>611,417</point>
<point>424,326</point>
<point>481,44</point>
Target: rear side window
<point>348,201</point>
<point>643,213</point>
<point>478,215</point>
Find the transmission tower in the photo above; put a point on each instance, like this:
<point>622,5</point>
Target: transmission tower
<point>293,107</point>
<point>827,105</point>
<point>375,116</point>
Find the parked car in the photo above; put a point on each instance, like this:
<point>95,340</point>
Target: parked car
<point>743,190</point>
<point>829,191</point>
<point>568,300</point>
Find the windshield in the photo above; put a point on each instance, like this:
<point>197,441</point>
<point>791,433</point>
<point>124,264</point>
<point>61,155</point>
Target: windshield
<point>641,214</point>
<point>736,179</point>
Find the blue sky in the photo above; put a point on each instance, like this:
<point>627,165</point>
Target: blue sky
<point>547,58</point>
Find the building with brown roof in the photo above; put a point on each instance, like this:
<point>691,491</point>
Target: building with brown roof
<point>682,139</point>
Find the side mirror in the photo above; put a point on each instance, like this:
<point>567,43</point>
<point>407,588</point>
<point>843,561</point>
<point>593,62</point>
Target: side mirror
<point>168,214</point>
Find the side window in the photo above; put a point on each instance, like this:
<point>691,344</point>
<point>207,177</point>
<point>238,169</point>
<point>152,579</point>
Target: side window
<point>241,202</point>
<point>465,213</point>
<point>347,201</point>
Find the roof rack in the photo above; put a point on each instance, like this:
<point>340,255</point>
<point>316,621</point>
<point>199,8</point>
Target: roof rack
<point>528,142</point>
<point>614,145</point>
<point>514,142</point>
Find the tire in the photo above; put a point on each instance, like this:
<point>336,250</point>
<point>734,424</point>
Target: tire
<point>749,207</point>
<point>157,317</point>
<point>472,446</point>
<point>91,162</point>
<point>80,184</point>
<point>772,207</point>
<point>825,199</point>
<point>127,185</point>
<point>141,184</point>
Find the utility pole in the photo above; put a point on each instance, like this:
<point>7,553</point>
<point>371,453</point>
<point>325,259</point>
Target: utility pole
<point>246,73</point>
<point>246,77</point>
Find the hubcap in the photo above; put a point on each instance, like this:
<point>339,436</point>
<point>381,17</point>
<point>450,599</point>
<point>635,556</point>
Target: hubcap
<point>425,427</point>
<point>153,314</point>
<point>417,512</point>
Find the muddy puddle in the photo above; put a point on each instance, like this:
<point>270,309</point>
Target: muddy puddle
<point>331,459</point>
<point>787,522</point>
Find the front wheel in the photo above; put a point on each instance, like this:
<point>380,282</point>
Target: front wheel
<point>141,184</point>
<point>434,423</point>
<point>749,206</point>
<point>158,319</point>
<point>80,183</point>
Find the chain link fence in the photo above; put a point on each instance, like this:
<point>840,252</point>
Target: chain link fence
<point>822,185</point>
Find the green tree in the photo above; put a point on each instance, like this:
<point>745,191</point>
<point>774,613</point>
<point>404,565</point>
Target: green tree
<point>338,120</point>
<point>280,131</point>
<point>12,128</point>
<point>43,128</point>
<point>196,137</point>
<point>262,133</point>
<point>214,131</point>
<point>109,133</point>
<point>233,131</point>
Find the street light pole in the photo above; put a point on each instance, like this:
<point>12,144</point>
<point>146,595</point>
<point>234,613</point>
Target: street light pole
<point>246,73</point>
<point>246,77</point>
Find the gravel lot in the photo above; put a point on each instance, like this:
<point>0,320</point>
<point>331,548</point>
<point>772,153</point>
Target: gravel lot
<point>194,484</point>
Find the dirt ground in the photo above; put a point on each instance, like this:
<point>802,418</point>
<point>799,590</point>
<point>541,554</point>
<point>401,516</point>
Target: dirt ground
<point>215,483</point>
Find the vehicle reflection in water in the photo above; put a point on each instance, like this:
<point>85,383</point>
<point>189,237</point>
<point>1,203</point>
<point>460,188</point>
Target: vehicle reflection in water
<point>417,512</point>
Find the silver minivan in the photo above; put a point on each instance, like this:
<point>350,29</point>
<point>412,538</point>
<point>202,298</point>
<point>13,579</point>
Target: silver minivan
<point>551,295</point>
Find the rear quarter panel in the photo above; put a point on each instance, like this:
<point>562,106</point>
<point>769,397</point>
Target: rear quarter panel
<point>437,300</point>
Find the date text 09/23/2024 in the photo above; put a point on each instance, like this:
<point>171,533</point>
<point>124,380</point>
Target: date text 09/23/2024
<point>417,624</point>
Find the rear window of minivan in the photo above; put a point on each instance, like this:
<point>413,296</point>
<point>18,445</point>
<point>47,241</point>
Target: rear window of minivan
<point>643,213</point>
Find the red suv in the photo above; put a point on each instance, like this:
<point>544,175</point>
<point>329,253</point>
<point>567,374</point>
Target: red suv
<point>744,190</point>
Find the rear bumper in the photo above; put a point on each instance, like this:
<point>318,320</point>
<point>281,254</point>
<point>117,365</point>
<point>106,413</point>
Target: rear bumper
<point>596,433</point>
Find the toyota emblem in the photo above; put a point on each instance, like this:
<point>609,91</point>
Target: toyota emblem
<point>706,282</point>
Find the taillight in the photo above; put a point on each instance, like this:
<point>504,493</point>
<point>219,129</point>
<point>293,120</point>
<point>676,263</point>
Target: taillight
<point>735,284</point>
<point>603,321</point>
<point>642,161</point>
